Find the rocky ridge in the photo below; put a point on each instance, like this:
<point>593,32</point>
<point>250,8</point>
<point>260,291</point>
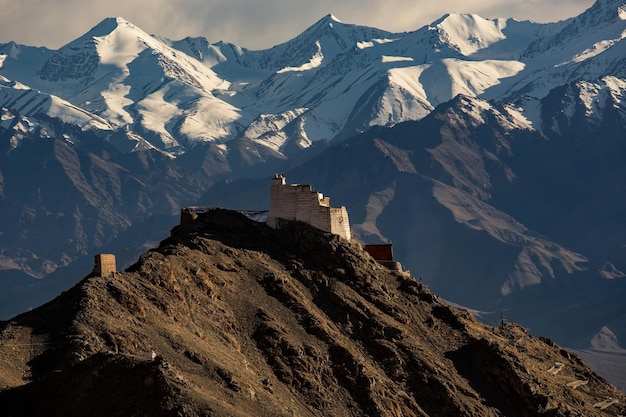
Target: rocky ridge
<point>230,317</point>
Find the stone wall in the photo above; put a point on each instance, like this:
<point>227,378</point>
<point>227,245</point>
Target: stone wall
<point>301,203</point>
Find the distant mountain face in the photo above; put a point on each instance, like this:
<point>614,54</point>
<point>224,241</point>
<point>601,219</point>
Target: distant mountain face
<point>484,149</point>
<point>62,199</point>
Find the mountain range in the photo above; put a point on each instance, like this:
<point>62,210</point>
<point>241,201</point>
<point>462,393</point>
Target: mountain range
<point>489,151</point>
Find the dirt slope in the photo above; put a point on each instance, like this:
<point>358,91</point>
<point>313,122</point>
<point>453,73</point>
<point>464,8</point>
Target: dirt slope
<point>231,318</point>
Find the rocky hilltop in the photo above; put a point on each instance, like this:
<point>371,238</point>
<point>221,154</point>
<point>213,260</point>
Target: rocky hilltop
<point>228,317</point>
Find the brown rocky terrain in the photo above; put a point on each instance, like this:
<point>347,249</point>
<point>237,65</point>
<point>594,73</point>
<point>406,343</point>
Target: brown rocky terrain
<point>228,317</point>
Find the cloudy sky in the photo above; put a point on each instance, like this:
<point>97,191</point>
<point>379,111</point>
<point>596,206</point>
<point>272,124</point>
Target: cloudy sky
<point>254,24</point>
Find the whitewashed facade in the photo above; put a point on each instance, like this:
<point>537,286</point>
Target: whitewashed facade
<point>301,203</point>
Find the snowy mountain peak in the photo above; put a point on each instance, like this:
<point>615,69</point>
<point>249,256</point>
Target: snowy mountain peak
<point>327,20</point>
<point>330,18</point>
<point>106,27</point>
<point>113,41</point>
<point>468,33</point>
<point>114,28</point>
<point>330,81</point>
<point>330,27</point>
<point>328,37</point>
<point>117,43</point>
<point>120,73</point>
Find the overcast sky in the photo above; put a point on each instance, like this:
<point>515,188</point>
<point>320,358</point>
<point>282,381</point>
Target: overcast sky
<point>254,24</point>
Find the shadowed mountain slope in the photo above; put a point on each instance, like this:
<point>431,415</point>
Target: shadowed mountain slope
<point>230,317</point>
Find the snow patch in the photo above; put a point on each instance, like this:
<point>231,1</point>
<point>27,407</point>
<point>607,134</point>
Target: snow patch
<point>470,33</point>
<point>15,85</point>
<point>119,47</point>
<point>155,112</point>
<point>334,18</point>
<point>595,50</point>
<point>268,129</point>
<point>116,101</point>
<point>447,78</point>
<point>31,102</point>
<point>223,148</point>
<point>515,117</point>
<point>370,44</point>
<point>408,78</point>
<point>386,59</point>
<point>605,340</point>
<point>6,118</point>
<point>314,62</point>
<point>595,97</point>
<point>211,119</point>
<point>71,114</point>
<point>404,99</point>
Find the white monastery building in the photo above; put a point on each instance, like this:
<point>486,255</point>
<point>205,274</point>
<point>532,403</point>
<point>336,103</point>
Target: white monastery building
<point>301,203</point>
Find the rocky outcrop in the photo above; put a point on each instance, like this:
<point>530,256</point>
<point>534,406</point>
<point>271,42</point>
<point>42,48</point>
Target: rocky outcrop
<point>228,317</point>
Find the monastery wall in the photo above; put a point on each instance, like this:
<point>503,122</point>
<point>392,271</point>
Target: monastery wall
<point>301,203</point>
<point>339,223</point>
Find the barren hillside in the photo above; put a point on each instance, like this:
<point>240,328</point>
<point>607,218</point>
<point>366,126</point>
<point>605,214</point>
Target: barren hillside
<point>231,318</point>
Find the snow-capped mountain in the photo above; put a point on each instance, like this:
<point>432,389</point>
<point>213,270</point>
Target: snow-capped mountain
<point>331,81</point>
<point>137,83</point>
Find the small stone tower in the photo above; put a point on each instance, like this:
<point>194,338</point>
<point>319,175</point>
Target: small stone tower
<point>104,264</point>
